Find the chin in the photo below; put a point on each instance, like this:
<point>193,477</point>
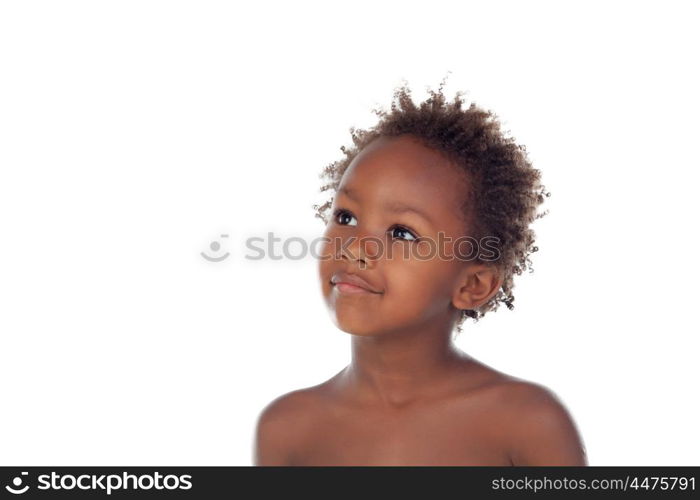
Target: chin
<point>355,327</point>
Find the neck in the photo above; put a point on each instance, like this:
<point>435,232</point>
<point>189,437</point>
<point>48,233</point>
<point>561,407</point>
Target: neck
<point>397,368</point>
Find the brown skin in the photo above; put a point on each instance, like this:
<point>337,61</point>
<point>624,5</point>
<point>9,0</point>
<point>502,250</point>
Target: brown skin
<point>409,396</point>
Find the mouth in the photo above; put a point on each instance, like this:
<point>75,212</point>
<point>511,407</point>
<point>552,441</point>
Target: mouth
<point>353,284</point>
<point>350,289</point>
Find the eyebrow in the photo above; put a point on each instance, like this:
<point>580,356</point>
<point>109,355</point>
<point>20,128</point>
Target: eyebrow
<point>396,207</point>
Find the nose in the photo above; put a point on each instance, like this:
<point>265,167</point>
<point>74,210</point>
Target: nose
<point>363,249</point>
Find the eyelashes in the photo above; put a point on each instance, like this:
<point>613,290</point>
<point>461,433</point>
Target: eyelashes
<point>396,227</point>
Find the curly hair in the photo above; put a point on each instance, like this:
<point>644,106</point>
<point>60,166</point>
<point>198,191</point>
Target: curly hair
<point>505,189</point>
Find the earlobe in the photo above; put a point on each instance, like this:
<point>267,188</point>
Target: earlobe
<point>476,285</point>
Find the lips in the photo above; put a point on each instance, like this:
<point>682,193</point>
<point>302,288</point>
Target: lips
<point>349,283</point>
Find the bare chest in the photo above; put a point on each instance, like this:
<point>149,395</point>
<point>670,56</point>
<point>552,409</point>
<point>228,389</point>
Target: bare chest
<point>424,437</point>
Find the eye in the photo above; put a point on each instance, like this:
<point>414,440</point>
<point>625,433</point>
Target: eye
<point>343,215</point>
<point>404,231</point>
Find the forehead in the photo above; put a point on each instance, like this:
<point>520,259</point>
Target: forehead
<point>402,170</point>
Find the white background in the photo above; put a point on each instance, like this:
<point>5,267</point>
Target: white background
<point>133,134</point>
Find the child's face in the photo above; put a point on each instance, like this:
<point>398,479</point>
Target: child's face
<point>415,283</point>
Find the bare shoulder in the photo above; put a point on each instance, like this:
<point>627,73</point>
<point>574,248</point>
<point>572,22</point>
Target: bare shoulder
<point>527,420</point>
<point>537,425</point>
<point>283,422</point>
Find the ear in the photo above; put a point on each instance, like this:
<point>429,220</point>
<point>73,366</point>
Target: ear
<point>476,285</point>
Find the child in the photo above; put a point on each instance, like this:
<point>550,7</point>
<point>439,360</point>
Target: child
<point>395,274</point>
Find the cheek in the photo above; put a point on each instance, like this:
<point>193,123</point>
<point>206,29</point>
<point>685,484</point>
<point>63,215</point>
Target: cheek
<point>331,241</point>
<point>323,269</point>
<point>418,286</point>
